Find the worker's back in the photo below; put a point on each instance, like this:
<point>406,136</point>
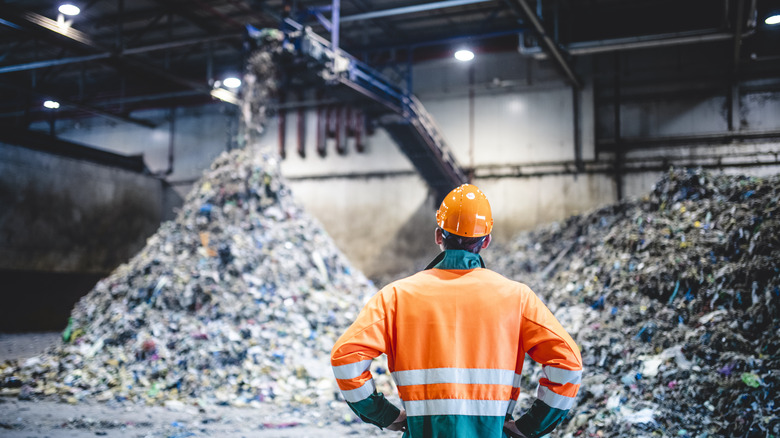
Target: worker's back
<point>456,337</point>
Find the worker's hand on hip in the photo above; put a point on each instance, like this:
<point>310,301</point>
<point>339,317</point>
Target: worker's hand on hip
<point>400,423</point>
<point>511,430</point>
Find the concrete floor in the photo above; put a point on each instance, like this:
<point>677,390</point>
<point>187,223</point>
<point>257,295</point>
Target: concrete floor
<point>25,419</point>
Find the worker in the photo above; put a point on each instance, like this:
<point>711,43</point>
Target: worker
<point>456,335</point>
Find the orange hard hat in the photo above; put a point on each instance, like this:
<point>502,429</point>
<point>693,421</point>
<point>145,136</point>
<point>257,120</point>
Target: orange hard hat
<point>465,211</point>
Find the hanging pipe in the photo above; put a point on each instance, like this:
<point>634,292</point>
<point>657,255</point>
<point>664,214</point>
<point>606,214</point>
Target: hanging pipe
<point>301,131</point>
<point>282,116</point>
<point>321,130</point>
<point>357,128</point>
<point>341,138</point>
<point>171,137</point>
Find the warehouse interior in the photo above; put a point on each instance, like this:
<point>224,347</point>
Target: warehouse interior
<point>119,117</point>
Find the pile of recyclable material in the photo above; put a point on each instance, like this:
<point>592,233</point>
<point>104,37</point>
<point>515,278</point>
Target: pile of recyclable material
<point>238,301</point>
<point>674,300</point>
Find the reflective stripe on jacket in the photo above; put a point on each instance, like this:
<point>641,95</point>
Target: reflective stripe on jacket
<point>455,340</point>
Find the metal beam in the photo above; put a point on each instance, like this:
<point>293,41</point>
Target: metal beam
<point>41,22</point>
<point>106,114</point>
<point>411,9</point>
<point>733,92</point>
<point>335,18</point>
<point>436,42</point>
<point>721,138</point>
<point>64,30</point>
<point>39,141</point>
<point>11,25</point>
<point>52,62</point>
<point>84,107</point>
<point>137,99</point>
<point>552,47</point>
<point>188,12</point>
<point>132,51</point>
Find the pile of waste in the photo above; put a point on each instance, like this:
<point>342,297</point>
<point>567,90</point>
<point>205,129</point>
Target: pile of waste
<point>238,301</point>
<point>674,300</point>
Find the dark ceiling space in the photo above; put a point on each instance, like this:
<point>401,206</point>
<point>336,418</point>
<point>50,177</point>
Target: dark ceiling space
<point>119,56</point>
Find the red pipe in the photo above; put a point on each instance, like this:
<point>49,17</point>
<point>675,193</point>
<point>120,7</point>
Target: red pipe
<point>301,130</point>
<point>282,129</point>
<point>341,138</point>
<point>330,122</point>
<point>357,129</point>
<point>321,130</point>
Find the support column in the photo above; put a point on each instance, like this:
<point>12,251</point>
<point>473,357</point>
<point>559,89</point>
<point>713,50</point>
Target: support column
<point>618,143</point>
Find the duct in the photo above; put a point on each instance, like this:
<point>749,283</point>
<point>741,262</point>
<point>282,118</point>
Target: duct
<point>638,42</point>
<point>655,163</point>
<point>687,140</point>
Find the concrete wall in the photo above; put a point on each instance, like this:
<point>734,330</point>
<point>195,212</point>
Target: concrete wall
<point>65,215</point>
<point>64,224</point>
<point>198,136</point>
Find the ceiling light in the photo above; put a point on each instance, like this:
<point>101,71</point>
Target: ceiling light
<point>51,104</point>
<point>772,19</point>
<point>69,9</point>
<point>232,82</point>
<point>464,55</point>
<point>225,96</point>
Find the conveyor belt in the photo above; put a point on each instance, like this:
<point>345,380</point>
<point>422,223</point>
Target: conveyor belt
<point>401,114</point>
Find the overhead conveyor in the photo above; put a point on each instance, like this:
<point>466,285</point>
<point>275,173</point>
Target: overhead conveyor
<point>400,113</point>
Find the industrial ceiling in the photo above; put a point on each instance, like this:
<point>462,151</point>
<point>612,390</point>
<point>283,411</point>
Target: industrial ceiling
<point>119,56</point>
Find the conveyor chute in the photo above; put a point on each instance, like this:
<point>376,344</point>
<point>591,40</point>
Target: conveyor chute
<point>400,113</point>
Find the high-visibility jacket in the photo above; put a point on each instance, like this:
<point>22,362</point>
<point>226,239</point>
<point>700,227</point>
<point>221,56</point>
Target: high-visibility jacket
<point>455,337</point>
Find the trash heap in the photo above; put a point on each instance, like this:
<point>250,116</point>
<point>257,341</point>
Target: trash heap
<point>674,300</point>
<point>237,301</point>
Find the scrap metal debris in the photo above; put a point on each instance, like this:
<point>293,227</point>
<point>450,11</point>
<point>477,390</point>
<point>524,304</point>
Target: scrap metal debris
<point>674,300</point>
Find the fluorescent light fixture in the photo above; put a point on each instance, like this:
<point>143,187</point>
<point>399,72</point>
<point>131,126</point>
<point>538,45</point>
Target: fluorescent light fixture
<point>772,19</point>
<point>51,104</point>
<point>232,82</point>
<point>464,55</point>
<point>225,95</point>
<point>69,9</point>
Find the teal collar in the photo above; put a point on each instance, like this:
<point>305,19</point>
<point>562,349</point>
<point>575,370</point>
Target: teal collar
<point>457,259</point>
